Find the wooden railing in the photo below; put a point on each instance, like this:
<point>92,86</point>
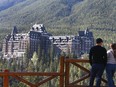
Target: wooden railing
<point>63,74</point>
<point>18,75</point>
<point>76,63</point>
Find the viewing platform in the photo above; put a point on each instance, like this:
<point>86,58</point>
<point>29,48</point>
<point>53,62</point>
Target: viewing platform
<point>63,75</point>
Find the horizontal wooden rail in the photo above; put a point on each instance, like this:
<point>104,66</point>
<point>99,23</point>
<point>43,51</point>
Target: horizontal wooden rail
<point>30,74</point>
<point>77,60</point>
<point>82,86</point>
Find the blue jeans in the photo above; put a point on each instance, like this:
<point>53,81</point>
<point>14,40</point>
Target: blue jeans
<point>96,71</point>
<point>110,70</point>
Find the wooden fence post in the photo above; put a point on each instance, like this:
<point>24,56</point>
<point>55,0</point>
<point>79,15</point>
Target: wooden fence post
<point>67,73</point>
<point>6,79</point>
<point>61,71</point>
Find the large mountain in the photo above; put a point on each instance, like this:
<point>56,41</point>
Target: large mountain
<point>59,15</point>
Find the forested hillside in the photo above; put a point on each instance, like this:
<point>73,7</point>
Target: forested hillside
<point>60,16</point>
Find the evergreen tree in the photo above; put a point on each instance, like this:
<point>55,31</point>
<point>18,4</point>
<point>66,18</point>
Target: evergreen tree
<point>27,51</point>
<point>34,59</point>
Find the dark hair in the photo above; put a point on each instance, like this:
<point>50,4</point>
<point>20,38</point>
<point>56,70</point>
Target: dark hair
<point>113,46</point>
<point>99,40</point>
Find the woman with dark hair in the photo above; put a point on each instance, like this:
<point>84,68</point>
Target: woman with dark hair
<point>111,65</point>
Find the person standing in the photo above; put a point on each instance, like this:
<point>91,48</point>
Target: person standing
<point>98,60</point>
<point>111,65</point>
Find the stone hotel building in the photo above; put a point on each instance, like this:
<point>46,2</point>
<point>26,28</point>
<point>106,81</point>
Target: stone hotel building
<point>16,44</point>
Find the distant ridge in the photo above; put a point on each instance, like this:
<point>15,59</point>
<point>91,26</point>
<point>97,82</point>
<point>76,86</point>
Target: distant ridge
<point>4,4</point>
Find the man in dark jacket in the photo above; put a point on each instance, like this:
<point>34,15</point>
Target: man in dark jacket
<point>98,60</point>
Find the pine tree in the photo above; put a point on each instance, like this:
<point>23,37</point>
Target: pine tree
<point>35,59</point>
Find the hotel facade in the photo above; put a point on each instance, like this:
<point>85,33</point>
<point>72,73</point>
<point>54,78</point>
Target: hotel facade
<point>16,44</point>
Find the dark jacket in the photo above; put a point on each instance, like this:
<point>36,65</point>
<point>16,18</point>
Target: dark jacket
<point>98,55</point>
